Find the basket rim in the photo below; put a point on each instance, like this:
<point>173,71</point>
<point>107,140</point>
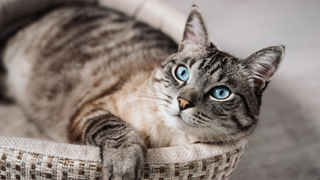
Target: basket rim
<point>175,154</point>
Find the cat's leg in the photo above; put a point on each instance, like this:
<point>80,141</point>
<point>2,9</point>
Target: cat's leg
<point>122,149</point>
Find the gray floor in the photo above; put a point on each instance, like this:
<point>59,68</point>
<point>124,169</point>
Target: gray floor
<point>286,143</point>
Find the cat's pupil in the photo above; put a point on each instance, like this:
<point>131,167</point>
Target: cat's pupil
<point>183,72</point>
<point>221,93</point>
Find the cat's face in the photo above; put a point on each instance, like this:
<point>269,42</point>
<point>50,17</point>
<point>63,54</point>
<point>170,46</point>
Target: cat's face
<point>209,93</point>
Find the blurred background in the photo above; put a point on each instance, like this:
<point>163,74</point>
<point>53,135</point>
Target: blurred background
<point>286,142</point>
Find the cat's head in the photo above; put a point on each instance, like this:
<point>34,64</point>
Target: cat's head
<point>209,93</point>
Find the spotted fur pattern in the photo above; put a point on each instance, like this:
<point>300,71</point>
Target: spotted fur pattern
<point>95,76</point>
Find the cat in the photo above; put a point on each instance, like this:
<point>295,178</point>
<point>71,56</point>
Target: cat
<point>91,75</point>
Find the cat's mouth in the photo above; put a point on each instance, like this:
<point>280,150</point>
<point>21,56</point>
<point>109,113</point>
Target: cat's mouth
<point>183,123</point>
<point>178,119</point>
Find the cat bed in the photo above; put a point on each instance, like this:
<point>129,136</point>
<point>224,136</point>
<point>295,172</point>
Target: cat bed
<point>22,158</point>
<point>36,159</point>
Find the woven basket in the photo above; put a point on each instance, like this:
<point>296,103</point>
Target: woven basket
<point>35,159</point>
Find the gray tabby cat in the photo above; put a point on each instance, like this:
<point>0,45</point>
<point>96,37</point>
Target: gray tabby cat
<point>95,76</point>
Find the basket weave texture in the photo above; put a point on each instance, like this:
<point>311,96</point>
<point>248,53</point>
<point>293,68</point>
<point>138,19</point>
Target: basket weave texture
<point>35,159</point>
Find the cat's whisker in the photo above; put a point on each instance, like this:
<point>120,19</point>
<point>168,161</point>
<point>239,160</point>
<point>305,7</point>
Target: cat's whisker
<point>218,128</point>
<point>259,132</point>
<point>244,154</point>
<point>159,92</point>
<point>206,128</point>
<point>144,106</point>
<point>255,138</point>
<point>250,150</point>
<point>153,64</point>
<point>155,98</point>
<point>158,103</point>
<point>151,97</point>
<point>148,88</point>
<point>139,108</point>
<point>132,85</point>
<point>222,132</point>
<point>145,99</point>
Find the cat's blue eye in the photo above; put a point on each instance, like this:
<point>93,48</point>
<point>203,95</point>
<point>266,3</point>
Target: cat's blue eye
<point>220,92</point>
<point>182,73</point>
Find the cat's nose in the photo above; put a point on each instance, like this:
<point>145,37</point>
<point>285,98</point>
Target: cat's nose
<point>183,104</point>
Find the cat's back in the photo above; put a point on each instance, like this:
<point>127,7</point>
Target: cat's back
<point>74,55</point>
<point>77,35</point>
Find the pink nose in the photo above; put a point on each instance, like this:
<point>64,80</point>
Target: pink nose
<point>183,104</point>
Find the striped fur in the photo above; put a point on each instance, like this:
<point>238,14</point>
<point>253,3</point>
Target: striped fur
<point>95,76</point>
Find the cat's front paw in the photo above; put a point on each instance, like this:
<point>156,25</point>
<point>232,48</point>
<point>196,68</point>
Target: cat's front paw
<point>123,163</point>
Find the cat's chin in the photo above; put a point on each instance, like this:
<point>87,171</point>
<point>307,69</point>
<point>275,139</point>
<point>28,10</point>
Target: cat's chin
<point>201,134</point>
<point>175,121</point>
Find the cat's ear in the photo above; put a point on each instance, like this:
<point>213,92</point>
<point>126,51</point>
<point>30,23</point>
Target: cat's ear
<point>262,64</point>
<point>195,32</point>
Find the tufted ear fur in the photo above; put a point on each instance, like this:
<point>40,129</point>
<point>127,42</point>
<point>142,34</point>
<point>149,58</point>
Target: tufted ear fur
<point>195,32</point>
<point>261,65</point>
